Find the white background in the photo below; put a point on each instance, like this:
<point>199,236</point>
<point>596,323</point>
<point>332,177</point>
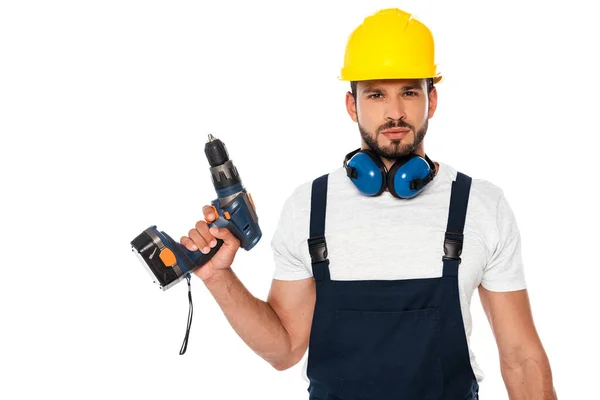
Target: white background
<point>105,107</point>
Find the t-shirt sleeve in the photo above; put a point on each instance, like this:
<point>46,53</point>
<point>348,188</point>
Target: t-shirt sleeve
<point>286,246</point>
<point>504,270</point>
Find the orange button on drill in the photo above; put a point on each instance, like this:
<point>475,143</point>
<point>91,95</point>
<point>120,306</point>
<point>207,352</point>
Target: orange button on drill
<point>226,215</point>
<point>167,257</point>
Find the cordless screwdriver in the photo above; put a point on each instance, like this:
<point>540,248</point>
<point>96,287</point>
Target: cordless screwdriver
<point>166,259</point>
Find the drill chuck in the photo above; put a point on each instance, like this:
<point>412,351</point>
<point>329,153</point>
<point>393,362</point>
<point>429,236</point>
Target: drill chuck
<point>215,151</point>
<point>223,172</point>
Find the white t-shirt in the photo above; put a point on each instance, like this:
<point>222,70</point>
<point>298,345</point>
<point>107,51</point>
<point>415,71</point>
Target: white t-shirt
<point>389,238</point>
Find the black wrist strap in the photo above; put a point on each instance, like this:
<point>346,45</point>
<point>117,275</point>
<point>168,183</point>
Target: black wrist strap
<point>190,313</point>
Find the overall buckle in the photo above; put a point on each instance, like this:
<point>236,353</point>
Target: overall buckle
<point>453,246</point>
<point>317,247</point>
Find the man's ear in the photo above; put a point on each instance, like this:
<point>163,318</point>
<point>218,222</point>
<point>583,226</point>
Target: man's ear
<point>351,106</point>
<point>433,99</point>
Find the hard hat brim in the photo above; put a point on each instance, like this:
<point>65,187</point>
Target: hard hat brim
<point>350,78</point>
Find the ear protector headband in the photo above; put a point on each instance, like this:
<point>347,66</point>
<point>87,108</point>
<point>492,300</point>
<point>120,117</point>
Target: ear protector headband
<point>406,178</point>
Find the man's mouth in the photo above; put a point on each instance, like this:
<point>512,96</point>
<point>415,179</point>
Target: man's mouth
<point>395,133</point>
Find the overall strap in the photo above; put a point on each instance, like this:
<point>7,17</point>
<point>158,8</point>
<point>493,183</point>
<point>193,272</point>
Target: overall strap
<point>453,241</point>
<point>317,245</point>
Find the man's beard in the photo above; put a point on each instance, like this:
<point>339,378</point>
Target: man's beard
<point>397,149</point>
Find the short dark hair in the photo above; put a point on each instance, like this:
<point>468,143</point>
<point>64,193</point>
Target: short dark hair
<point>353,86</point>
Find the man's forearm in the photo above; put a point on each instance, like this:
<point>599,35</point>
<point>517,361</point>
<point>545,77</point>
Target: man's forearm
<point>530,378</point>
<point>254,320</point>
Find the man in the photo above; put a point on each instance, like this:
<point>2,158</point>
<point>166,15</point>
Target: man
<point>376,262</point>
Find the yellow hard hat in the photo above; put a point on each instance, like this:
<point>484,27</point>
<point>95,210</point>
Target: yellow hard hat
<point>390,44</point>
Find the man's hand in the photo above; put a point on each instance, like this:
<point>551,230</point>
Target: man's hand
<point>203,238</point>
<point>523,361</point>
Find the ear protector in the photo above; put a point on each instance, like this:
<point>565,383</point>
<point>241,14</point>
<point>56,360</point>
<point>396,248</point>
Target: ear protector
<point>407,177</point>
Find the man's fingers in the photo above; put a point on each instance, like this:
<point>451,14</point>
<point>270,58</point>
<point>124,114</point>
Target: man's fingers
<point>188,243</point>
<point>199,240</point>
<point>202,227</point>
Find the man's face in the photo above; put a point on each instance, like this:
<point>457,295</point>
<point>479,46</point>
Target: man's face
<point>392,115</point>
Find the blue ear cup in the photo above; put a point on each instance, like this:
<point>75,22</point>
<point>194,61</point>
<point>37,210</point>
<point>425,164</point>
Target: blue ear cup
<point>407,177</point>
<point>367,171</point>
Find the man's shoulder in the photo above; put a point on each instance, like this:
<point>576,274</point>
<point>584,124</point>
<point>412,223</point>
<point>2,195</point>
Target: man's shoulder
<point>486,190</point>
<point>334,177</point>
<point>483,190</point>
<point>479,182</point>
<point>301,194</point>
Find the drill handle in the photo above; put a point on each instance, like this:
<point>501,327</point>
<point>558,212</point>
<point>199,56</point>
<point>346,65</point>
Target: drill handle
<point>189,260</point>
<point>198,258</point>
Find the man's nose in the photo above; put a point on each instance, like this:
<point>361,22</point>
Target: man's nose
<point>395,109</point>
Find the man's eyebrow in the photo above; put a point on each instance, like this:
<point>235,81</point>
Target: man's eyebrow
<point>412,87</point>
<point>371,89</point>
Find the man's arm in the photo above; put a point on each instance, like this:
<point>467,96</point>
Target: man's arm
<point>523,361</point>
<point>278,329</point>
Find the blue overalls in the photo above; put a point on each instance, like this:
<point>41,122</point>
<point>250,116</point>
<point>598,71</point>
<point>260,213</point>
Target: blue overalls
<point>389,339</point>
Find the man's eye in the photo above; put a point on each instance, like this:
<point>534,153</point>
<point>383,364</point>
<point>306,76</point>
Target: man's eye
<point>411,93</point>
<point>375,96</point>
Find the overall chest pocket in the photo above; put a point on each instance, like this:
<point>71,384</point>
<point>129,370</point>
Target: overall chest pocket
<point>388,354</point>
